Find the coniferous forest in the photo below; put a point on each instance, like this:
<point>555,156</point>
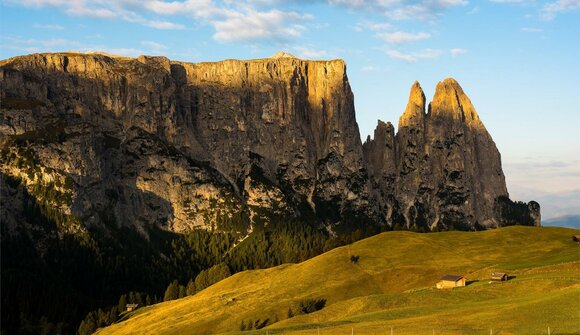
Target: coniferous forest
<point>77,283</point>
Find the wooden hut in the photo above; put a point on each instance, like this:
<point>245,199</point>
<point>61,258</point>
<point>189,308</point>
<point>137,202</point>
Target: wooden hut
<point>451,281</point>
<point>576,238</point>
<point>499,276</point>
<point>132,307</point>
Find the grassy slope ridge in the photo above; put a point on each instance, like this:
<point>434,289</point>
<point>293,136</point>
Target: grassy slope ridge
<point>392,285</point>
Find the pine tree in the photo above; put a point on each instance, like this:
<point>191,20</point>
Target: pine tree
<point>147,300</point>
<point>172,291</point>
<point>122,306</point>
<point>190,289</point>
<point>182,293</point>
<point>88,325</point>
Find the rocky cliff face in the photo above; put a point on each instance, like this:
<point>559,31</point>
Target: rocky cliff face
<point>446,172</point>
<point>151,142</point>
<point>148,141</point>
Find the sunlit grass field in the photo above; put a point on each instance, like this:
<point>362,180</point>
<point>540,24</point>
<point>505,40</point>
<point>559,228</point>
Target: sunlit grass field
<point>392,287</point>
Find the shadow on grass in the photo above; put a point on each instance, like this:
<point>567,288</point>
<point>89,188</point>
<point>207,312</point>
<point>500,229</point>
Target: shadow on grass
<point>469,282</point>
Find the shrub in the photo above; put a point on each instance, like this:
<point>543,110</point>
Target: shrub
<point>312,305</point>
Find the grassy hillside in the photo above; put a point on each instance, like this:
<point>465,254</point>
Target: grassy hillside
<point>392,285</point>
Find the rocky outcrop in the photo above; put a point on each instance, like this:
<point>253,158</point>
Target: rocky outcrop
<point>465,163</point>
<point>448,169</point>
<point>379,154</point>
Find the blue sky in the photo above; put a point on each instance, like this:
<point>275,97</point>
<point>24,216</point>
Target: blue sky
<point>518,60</point>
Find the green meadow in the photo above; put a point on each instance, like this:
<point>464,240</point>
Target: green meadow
<point>392,288</point>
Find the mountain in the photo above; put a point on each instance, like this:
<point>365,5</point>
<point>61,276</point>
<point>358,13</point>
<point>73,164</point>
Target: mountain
<point>151,142</point>
<point>182,145</point>
<point>441,169</point>
<point>392,285</point>
<point>568,221</point>
<point>121,175</point>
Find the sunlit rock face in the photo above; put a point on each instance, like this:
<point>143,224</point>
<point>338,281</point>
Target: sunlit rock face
<point>148,142</point>
<point>446,172</point>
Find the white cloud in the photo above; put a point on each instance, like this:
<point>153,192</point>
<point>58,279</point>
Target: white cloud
<point>456,52</point>
<point>550,10</point>
<point>232,20</point>
<point>370,68</point>
<point>310,53</point>
<point>400,37</point>
<point>531,30</point>
<point>127,10</point>
<point>512,1</point>
<point>30,45</point>
<point>200,8</point>
<point>451,3</point>
<point>129,52</point>
<point>402,10</point>
<point>473,11</point>
<point>164,25</point>
<point>373,26</point>
<point>155,47</point>
<point>255,25</point>
<point>48,26</point>
<point>412,57</point>
<point>62,45</point>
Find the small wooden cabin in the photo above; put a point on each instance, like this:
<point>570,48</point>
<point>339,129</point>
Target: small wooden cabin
<point>132,307</point>
<point>451,281</point>
<point>499,276</point>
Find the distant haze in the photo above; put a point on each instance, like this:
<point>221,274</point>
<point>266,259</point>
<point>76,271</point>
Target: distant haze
<point>568,221</point>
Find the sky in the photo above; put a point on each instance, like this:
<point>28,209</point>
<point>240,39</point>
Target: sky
<point>518,60</point>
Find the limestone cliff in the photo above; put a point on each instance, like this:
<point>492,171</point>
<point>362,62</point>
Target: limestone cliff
<point>448,169</point>
<point>149,141</point>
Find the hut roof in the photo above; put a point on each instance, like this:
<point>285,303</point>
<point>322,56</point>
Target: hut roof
<point>451,278</point>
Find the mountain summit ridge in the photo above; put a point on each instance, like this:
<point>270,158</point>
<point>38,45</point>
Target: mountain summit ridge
<point>191,145</point>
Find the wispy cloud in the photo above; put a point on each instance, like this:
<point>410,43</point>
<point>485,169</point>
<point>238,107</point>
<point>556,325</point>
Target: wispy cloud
<point>412,57</point>
<point>531,30</point>
<point>307,52</point>
<point>473,11</point>
<point>129,52</point>
<point>400,37</point>
<point>155,47</point>
<point>373,26</point>
<point>254,25</point>
<point>48,26</point>
<point>402,10</point>
<point>552,9</point>
<point>164,25</point>
<point>456,52</point>
<point>370,68</point>
<point>232,21</point>
<point>513,1</point>
<point>30,45</point>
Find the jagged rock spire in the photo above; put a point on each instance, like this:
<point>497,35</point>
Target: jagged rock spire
<point>415,111</point>
<point>450,101</point>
